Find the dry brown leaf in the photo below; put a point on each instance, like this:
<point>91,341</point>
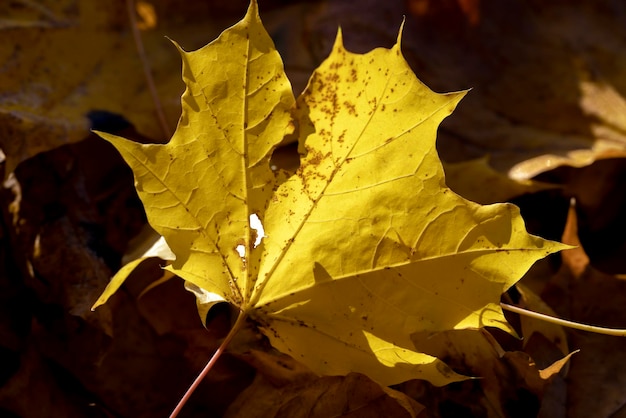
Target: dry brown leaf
<point>509,382</point>
<point>556,367</point>
<point>600,193</point>
<point>579,292</point>
<point>477,181</point>
<point>284,388</point>
<point>554,334</point>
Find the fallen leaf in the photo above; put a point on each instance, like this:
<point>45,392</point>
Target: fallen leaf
<point>476,180</point>
<point>579,292</point>
<point>576,158</point>
<point>277,368</point>
<point>544,98</point>
<point>510,383</point>
<point>55,71</point>
<point>556,367</point>
<point>600,193</point>
<point>364,245</point>
<point>284,388</point>
<point>553,333</point>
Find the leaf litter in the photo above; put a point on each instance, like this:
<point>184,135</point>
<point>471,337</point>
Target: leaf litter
<point>587,210</point>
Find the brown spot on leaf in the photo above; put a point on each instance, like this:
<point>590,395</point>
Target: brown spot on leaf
<point>332,77</point>
<point>351,108</point>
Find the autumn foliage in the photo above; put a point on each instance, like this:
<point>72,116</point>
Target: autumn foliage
<point>338,266</point>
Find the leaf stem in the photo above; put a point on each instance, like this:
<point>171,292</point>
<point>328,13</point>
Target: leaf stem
<point>563,322</point>
<point>236,327</point>
<point>130,4</point>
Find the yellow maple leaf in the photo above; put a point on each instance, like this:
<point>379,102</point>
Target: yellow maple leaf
<point>364,245</point>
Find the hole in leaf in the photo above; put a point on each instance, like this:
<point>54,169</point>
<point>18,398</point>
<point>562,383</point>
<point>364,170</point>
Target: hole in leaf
<point>258,235</point>
<point>255,223</point>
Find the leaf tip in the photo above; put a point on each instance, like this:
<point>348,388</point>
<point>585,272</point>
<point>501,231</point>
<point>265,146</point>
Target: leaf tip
<point>113,139</point>
<point>338,40</point>
<point>253,10</point>
<point>176,44</point>
<point>98,303</point>
<point>400,31</point>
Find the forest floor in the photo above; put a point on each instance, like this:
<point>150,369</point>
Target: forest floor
<point>543,127</point>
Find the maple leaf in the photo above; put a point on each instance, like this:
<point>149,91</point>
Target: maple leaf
<point>364,245</point>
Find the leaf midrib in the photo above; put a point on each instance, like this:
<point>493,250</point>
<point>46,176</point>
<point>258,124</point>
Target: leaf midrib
<point>259,290</point>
